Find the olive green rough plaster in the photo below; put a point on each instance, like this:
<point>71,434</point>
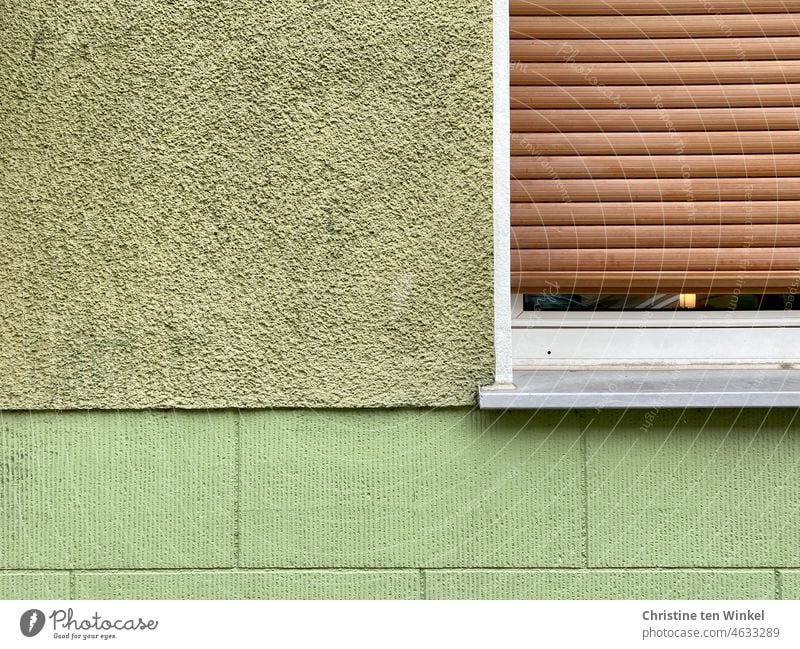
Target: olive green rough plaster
<point>213,204</point>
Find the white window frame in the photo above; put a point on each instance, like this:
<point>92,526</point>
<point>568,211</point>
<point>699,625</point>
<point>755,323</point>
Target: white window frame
<point>609,340</point>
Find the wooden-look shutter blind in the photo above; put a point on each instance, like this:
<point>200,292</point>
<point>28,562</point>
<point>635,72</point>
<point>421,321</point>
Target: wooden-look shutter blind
<point>655,146</point>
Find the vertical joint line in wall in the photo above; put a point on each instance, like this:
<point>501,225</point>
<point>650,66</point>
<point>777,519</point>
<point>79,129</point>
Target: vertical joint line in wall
<point>71,591</point>
<point>585,495</point>
<point>238,495</point>
<point>423,583</point>
<point>778,584</point>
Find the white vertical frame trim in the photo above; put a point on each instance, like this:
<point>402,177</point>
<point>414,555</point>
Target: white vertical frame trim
<point>501,202</point>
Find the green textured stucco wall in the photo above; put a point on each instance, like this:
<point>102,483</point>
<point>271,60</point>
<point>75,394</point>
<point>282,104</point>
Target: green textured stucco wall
<point>400,503</point>
<point>216,204</point>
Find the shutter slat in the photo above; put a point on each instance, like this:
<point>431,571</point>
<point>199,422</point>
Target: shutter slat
<point>652,236</point>
<point>641,119</point>
<point>699,72</point>
<point>682,259</point>
<point>705,96</point>
<point>719,189</point>
<point>648,282</point>
<point>698,26</point>
<point>662,49</point>
<point>667,213</point>
<point>663,166</point>
<point>687,142</point>
<point>636,7</point>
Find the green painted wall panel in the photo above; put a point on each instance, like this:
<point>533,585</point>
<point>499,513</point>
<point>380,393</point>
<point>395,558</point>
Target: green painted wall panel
<point>34,585</point>
<point>117,490</point>
<point>699,488</point>
<point>230,204</point>
<point>789,584</point>
<point>600,584</point>
<point>251,584</point>
<point>410,488</point>
<point>403,584</point>
<point>219,204</point>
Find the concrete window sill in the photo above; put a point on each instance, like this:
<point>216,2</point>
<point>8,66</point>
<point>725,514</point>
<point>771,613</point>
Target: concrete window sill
<point>630,387</point>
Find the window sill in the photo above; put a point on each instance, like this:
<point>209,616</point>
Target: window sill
<point>632,387</point>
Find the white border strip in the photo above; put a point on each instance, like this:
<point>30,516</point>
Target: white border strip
<point>501,202</point>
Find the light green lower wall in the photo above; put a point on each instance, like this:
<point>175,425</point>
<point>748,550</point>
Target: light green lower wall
<point>399,503</point>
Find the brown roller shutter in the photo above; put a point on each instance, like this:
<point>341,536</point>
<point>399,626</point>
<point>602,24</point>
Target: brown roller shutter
<point>655,146</point>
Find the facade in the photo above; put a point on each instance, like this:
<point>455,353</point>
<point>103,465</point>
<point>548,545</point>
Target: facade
<point>246,301</point>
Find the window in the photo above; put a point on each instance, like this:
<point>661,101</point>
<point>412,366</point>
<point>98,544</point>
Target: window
<point>647,199</point>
